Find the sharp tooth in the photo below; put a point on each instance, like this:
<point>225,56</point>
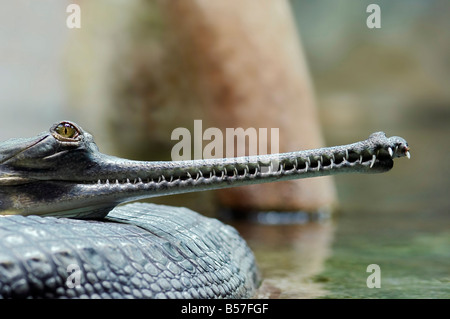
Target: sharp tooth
<point>391,152</point>
<point>373,160</point>
<point>360,159</point>
<point>408,155</point>
<point>346,155</point>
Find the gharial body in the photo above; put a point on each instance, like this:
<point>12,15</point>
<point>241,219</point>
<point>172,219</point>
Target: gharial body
<point>62,235</point>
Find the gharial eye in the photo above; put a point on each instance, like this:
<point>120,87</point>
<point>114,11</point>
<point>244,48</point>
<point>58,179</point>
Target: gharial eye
<point>67,130</point>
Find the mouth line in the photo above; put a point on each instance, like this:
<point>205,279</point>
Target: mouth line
<point>382,160</point>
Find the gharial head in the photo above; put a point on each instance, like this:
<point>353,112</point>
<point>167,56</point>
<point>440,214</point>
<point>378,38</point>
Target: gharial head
<point>44,157</point>
<point>55,171</point>
<point>62,173</point>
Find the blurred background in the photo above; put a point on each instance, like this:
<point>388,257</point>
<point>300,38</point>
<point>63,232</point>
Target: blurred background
<point>394,79</point>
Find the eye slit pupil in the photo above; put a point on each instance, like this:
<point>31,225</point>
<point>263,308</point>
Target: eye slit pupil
<point>67,130</point>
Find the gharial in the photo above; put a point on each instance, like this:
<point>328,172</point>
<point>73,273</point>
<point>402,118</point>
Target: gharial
<point>73,241</point>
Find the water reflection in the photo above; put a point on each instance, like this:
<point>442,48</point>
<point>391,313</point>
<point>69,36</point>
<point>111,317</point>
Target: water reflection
<point>290,256</point>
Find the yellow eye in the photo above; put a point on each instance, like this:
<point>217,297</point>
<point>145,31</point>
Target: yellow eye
<point>67,130</point>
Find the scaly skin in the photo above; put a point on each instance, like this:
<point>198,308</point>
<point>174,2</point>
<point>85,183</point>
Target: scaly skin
<point>139,250</point>
<point>62,173</point>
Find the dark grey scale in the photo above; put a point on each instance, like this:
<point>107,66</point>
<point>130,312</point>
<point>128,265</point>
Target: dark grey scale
<point>135,253</point>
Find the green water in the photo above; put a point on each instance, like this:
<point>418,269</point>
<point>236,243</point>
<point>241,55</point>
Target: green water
<point>414,261</point>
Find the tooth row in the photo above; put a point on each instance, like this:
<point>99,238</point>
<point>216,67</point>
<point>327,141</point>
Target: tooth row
<point>332,160</point>
<point>259,168</point>
<point>127,181</point>
<point>223,173</point>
